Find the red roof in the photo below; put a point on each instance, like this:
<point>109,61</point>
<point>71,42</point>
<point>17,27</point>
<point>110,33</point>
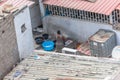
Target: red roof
<point>14,5</point>
<point>19,3</point>
<point>100,6</point>
<point>118,7</point>
<point>2,2</point>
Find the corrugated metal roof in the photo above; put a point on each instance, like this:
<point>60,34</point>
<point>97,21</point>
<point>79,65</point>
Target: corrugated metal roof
<point>19,3</point>
<point>118,7</point>
<point>2,2</point>
<point>100,6</point>
<point>11,6</point>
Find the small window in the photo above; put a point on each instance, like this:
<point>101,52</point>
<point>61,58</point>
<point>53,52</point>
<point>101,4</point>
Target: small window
<point>3,31</point>
<point>23,28</point>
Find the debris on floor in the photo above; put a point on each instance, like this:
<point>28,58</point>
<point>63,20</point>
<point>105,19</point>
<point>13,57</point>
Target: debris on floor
<point>84,48</point>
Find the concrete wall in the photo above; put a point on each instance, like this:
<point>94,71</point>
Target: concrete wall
<point>75,28</point>
<point>42,10</point>
<point>25,39</point>
<point>35,15</point>
<point>8,46</point>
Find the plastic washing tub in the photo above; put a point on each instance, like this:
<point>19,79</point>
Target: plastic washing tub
<point>48,45</point>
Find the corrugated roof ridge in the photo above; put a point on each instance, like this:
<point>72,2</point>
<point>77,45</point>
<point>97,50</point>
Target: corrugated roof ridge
<point>100,6</point>
<point>118,7</point>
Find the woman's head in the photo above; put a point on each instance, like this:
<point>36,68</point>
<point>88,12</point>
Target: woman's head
<point>58,32</point>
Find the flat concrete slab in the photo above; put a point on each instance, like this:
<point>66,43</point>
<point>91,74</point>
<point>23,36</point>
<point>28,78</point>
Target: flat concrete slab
<point>57,66</point>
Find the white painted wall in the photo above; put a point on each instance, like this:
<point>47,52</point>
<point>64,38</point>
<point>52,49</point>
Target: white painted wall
<point>24,40</point>
<point>35,15</point>
<point>75,28</point>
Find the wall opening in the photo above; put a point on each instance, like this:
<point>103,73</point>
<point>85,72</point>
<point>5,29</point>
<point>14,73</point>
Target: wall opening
<point>23,28</point>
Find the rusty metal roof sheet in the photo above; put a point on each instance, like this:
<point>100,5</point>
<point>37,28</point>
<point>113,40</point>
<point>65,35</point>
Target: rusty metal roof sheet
<point>100,6</point>
<point>10,6</point>
<point>19,3</point>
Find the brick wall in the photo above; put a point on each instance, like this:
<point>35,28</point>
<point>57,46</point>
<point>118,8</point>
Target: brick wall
<point>8,46</point>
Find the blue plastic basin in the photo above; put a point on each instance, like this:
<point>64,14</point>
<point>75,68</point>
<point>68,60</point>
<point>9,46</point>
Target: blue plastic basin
<point>48,45</point>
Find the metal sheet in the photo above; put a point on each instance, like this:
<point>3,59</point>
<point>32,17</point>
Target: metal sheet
<point>100,6</point>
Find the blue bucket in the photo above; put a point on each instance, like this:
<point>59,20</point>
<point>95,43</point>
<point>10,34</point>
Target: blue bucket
<point>48,45</point>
